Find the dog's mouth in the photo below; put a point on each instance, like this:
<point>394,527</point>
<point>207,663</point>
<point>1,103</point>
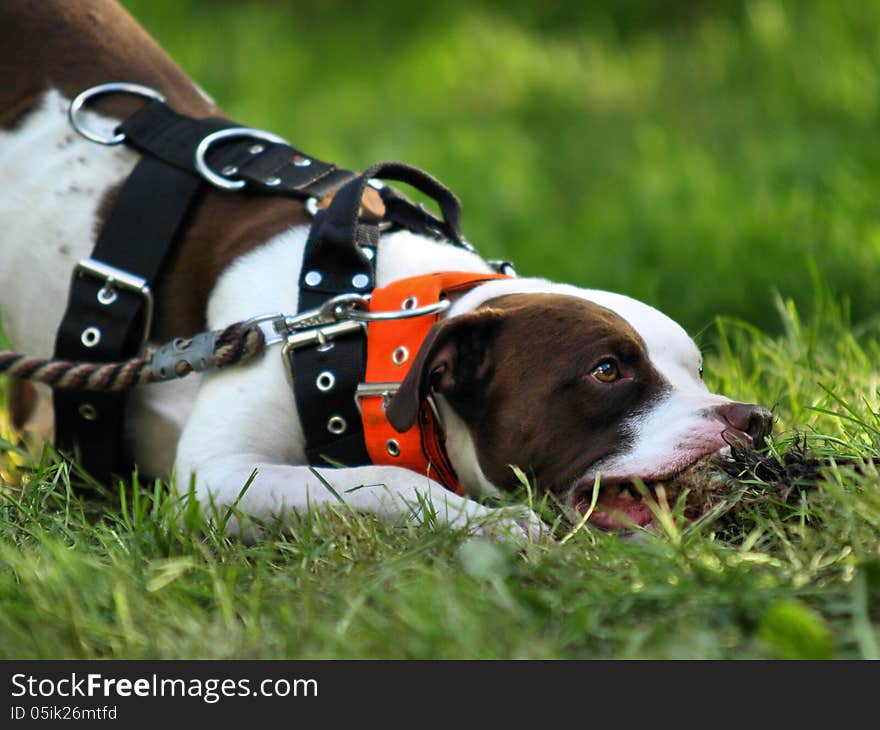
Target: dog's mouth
<point>623,503</point>
<point>620,504</point>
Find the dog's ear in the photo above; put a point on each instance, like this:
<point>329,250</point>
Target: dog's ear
<point>454,360</point>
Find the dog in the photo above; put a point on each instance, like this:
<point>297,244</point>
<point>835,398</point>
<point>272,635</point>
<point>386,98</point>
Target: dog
<point>565,383</point>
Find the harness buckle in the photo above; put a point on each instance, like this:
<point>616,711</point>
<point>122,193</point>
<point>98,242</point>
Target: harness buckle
<point>113,279</point>
<point>371,390</point>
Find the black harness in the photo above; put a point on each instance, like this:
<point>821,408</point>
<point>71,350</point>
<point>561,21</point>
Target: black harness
<point>109,312</point>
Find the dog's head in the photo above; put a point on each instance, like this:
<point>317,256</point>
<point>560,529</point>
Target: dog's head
<point>566,383</point>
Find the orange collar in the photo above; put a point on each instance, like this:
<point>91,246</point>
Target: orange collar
<point>391,348</point>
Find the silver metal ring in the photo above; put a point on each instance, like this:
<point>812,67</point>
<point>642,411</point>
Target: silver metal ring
<point>392,447</point>
<point>115,87</point>
<point>90,336</point>
<point>231,133</point>
<point>325,381</point>
<point>336,425</point>
<point>400,355</point>
<point>107,294</point>
<point>88,412</point>
<point>409,303</point>
<point>367,316</point>
<point>341,305</point>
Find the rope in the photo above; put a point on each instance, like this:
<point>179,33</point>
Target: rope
<point>237,344</point>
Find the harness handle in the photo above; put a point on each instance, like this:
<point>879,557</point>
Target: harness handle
<point>340,226</point>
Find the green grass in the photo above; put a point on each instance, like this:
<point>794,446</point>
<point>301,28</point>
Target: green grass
<point>136,575</point>
<point>720,164</point>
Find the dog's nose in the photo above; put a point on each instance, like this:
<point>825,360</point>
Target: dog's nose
<point>753,420</point>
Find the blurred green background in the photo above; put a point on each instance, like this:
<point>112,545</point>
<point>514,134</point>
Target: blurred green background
<point>697,155</point>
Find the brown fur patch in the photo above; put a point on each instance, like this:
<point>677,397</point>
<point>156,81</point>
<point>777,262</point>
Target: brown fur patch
<point>21,400</point>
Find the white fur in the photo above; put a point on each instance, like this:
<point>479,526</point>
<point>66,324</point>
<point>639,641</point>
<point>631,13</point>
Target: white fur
<point>53,182</point>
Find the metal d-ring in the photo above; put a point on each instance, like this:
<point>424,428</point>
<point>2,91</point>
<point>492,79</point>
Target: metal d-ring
<point>115,87</point>
<point>202,150</point>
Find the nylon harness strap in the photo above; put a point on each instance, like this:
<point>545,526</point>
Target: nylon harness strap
<point>106,322</point>
<point>340,257</point>
<point>106,318</point>
<point>268,167</point>
<point>108,312</point>
<point>391,348</point>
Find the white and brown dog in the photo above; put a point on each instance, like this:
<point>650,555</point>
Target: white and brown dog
<point>561,381</point>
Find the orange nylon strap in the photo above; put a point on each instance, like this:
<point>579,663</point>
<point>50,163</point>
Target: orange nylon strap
<point>391,348</point>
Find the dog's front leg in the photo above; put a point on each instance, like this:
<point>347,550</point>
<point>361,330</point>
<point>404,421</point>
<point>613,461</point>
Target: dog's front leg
<point>244,427</point>
<point>391,493</point>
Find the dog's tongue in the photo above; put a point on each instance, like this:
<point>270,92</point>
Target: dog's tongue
<point>615,511</point>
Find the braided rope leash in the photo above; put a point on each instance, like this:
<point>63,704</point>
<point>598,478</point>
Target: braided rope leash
<point>237,344</point>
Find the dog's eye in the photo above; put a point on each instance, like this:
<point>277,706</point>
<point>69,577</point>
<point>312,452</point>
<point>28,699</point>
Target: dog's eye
<point>606,371</point>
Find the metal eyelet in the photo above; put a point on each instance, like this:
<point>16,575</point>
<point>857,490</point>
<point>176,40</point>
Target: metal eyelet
<point>359,281</point>
<point>107,295</point>
<point>336,425</point>
<point>300,161</point>
<point>325,381</point>
<point>90,336</point>
<point>313,278</point>
<point>392,447</point>
<point>400,355</point>
<point>409,303</point>
<point>88,412</point>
